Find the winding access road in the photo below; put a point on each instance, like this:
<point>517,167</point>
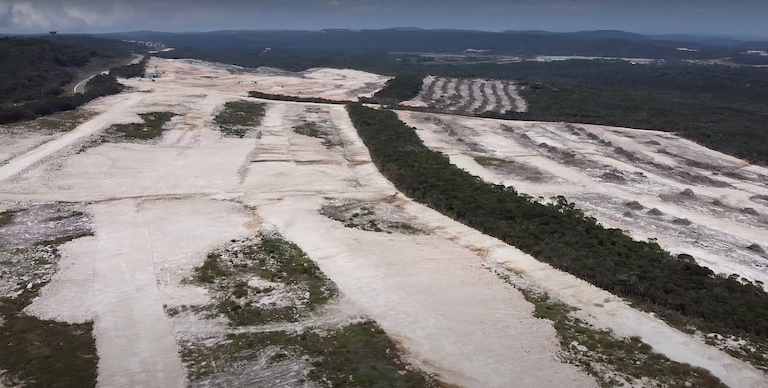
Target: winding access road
<point>80,87</point>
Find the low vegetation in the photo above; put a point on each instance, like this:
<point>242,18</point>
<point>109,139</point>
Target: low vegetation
<point>54,123</point>
<point>267,280</point>
<point>615,361</point>
<point>153,127</point>
<point>39,353</point>
<point>262,280</point>
<point>282,97</point>
<point>358,355</point>
<point>674,287</point>
<point>369,216</point>
<point>330,138</point>
<point>239,118</point>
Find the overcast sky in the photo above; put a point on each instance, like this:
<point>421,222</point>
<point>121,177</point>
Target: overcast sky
<point>723,17</point>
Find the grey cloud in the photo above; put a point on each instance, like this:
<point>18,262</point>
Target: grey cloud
<point>649,16</point>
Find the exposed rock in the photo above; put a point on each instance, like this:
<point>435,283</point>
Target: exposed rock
<point>634,205</point>
<point>655,212</point>
<point>750,211</point>
<point>613,176</point>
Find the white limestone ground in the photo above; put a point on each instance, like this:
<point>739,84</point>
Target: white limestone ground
<point>601,308</point>
<point>716,221</point>
<point>159,208</point>
<point>471,96</point>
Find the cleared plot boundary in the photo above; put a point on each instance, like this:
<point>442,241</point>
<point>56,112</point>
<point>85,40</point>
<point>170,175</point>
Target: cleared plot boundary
<point>676,288</point>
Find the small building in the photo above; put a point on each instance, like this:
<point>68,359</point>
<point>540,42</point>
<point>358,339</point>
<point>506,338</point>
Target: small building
<point>154,73</point>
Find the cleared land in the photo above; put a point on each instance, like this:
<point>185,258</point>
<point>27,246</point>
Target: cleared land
<point>690,201</point>
<point>266,259</point>
<point>469,95</point>
<point>651,184</point>
<point>160,207</point>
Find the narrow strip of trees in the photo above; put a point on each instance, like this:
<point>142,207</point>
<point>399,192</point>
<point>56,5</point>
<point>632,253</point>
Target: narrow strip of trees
<point>283,97</point>
<point>674,287</point>
<point>401,88</point>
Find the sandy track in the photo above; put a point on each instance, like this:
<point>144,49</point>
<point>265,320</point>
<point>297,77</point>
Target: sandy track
<point>22,162</point>
<point>413,286</point>
<point>600,308</point>
<point>121,277</point>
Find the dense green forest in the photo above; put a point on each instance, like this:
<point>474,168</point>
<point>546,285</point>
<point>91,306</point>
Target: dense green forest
<point>35,68</point>
<point>676,288</point>
<point>721,107</point>
<point>398,89</point>
<point>282,97</point>
<point>34,71</point>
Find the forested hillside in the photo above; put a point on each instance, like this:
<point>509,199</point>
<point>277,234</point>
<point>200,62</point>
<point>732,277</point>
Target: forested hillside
<point>34,71</point>
<point>723,108</point>
<point>35,68</point>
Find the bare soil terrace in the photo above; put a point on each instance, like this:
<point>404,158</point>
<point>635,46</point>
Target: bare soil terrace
<point>191,200</point>
<point>652,184</point>
<point>158,208</point>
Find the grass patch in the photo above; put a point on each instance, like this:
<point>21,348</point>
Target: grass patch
<point>6,218</point>
<point>56,122</point>
<point>151,128</point>
<point>315,130</point>
<point>240,118</point>
<point>359,355</point>
<point>364,216</point>
<point>611,360</point>
<point>243,274</point>
<point>44,353</point>
<point>308,129</point>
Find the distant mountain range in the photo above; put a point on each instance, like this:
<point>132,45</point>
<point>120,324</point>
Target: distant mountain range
<point>409,39</point>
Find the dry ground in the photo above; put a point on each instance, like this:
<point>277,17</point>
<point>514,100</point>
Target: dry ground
<point>158,208</point>
<point>652,184</point>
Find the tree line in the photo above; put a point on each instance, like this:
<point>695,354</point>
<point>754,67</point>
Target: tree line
<point>675,287</point>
